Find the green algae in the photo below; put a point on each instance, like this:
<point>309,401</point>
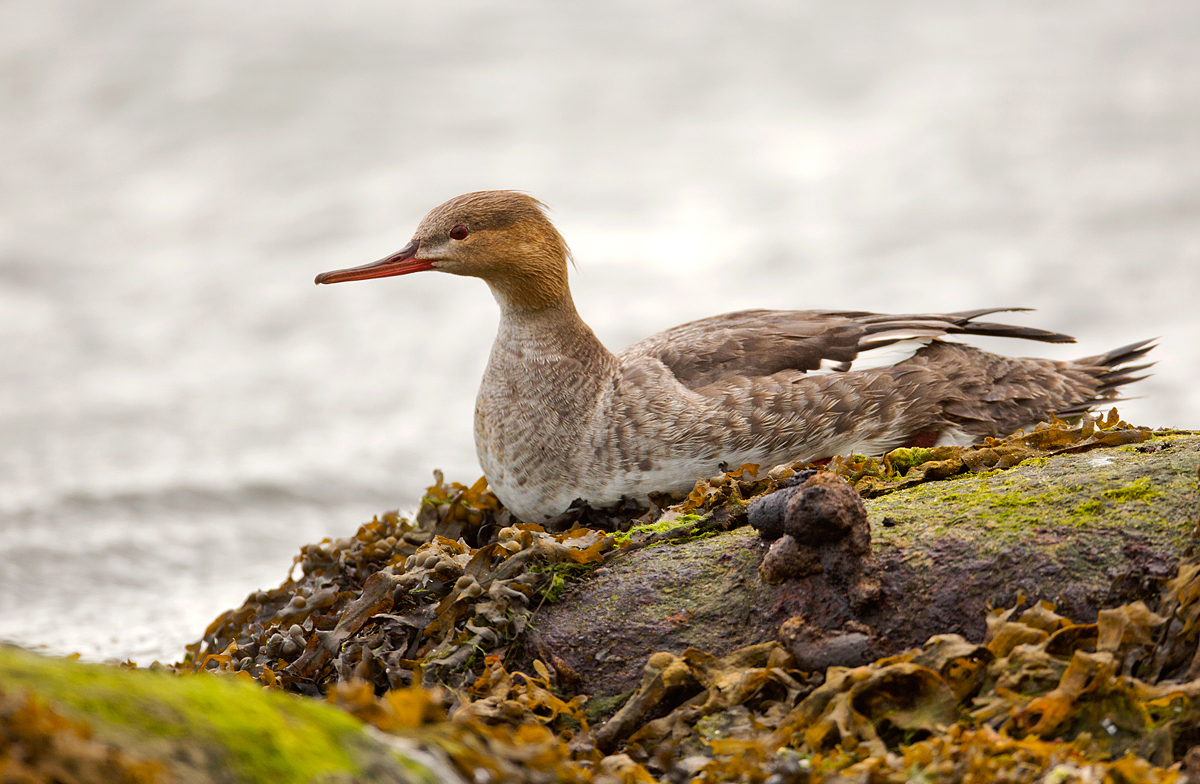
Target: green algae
<point>561,576</point>
<point>1046,493</point>
<point>1088,508</point>
<point>600,708</point>
<point>988,501</point>
<point>1137,490</point>
<point>662,526</point>
<point>555,590</point>
<point>904,458</point>
<point>256,736</point>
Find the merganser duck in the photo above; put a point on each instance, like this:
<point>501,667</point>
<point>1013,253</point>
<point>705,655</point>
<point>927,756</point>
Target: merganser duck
<point>559,417</point>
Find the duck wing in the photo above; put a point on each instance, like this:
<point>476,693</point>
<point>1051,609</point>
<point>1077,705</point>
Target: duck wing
<point>764,342</point>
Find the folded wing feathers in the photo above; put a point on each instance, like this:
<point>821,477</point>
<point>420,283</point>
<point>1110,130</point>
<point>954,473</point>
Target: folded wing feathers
<point>889,340</point>
<point>888,352</point>
<point>760,342</point>
<point>964,323</point>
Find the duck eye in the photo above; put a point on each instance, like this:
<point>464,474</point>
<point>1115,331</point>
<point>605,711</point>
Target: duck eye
<point>459,232</point>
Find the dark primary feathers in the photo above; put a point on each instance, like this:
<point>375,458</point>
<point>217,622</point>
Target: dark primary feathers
<point>764,342</point>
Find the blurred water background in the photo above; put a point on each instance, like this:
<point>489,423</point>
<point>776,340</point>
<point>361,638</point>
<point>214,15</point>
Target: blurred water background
<point>181,409</point>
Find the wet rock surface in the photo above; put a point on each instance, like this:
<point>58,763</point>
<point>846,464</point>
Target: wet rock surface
<point>1083,530</point>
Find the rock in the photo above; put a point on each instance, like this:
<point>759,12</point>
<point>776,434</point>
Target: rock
<point>768,513</point>
<point>787,560</point>
<point>827,510</point>
<point>1084,531</point>
<point>814,649</point>
<point>198,729</point>
<point>824,528</point>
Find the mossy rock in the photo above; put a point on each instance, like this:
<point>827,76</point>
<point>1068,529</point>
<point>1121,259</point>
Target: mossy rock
<point>1084,531</point>
<point>199,728</point>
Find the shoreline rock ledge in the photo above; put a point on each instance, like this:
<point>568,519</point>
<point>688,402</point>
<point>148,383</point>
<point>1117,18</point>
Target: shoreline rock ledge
<point>1083,531</point>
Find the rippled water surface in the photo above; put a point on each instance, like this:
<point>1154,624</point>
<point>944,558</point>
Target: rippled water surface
<point>180,408</point>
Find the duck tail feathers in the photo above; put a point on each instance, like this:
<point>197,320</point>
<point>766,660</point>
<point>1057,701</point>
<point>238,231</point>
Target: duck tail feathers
<point>1120,356</point>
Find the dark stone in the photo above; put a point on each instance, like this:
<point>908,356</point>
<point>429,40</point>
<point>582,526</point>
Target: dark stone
<point>766,513</point>
<point>815,649</point>
<point>786,560</point>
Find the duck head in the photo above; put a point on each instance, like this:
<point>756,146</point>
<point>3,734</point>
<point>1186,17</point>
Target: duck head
<point>503,237</point>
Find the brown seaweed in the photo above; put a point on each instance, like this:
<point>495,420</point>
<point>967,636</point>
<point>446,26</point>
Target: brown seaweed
<point>412,626</point>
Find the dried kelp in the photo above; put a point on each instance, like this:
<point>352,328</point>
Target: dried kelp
<point>1042,697</point>
<point>399,602</point>
<point>906,467</point>
<point>413,627</point>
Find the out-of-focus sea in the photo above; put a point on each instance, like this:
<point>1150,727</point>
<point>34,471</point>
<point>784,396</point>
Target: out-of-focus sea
<point>181,408</point>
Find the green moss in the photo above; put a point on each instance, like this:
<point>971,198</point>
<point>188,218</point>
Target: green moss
<point>555,589</point>
<point>1034,461</point>
<point>560,575</point>
<point>599,709</point>
<point>1137,490</point>
<point>1088,508</point>
<point>417,771</point>
<point>1014,500</point>
<point>1008,504</point>
<point>907,457</point>
<point>662,526</point>
<point>258,736</point>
